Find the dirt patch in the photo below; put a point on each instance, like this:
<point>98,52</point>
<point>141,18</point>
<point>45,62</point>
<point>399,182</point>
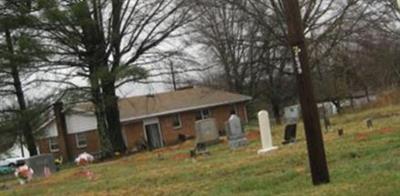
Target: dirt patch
<point>224,140</point>
<point>362,136</point>
<point>365,136</point>
<point>253,135</point>
<point>386,130</point>
<point>181,156</point>
<point>85,174</point>
<point>389,97</point>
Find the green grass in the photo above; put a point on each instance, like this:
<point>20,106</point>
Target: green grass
<point>363,162</point>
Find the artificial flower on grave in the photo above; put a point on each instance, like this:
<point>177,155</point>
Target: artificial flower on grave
<point>24,174</point>
<point>58,162</point>
<point>84,159</point>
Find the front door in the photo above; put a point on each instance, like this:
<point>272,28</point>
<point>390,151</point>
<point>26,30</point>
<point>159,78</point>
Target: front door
<point>153,135</point>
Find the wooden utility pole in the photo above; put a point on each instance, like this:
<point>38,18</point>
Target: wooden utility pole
<point>315,143</point>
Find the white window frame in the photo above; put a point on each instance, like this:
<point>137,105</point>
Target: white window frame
<point>53,141</point>
<point>77,140</point>
<point>179,120</point>
<point>151,121</point>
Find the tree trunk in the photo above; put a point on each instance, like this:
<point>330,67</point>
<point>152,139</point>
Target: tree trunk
<point>26,127</point>
<point>171,66</point>
<point>367,94</point>
<point>97,60</point>
<point>112,114</point>
<point>105,143</point>
<point>276,109</point>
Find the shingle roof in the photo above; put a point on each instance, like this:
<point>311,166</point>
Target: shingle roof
<point>139,107</point>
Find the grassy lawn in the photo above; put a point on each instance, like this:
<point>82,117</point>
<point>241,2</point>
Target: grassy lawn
<point>362,162</point>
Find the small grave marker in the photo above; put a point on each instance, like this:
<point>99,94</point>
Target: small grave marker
<point>290,134</point>
<point>340,132</point>
<point>200,149</point>
<point>41,165</point>
<point>369,123</point>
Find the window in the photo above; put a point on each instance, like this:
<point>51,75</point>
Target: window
<point>206,113</point>
<point>198,115</point>
<point>53,144</point>
<point>176,121</point>
<point>81,140</point>
<point>203,114</point>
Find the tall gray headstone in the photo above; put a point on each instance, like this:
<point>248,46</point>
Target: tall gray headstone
<point>40,162</point>
<point>235,132</point>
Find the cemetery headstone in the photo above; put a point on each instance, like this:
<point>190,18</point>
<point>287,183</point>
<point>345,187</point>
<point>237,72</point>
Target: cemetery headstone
<point>369,123</point>
<point>235,132</point>
<point>206,131</point>
<point>327,123</point>
<point>265,132</point>
<point>206,134</point>
<point>290,134</point>
<point>200,149</point>
<point>340,132</point>
<point>41,165</point>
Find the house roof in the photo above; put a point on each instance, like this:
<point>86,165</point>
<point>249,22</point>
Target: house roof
<point>139,107</point>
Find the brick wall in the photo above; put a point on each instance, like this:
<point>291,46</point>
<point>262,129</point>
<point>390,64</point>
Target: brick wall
<point>134,134</point>
<point>44,148</point>
<point>171,134</point>
<point>93,145</point>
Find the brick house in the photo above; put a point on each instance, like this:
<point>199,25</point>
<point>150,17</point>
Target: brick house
<point>153,121</point>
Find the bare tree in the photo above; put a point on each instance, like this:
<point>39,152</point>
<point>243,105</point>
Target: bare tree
<point>245,57</point>
<point>107,41</point>
<point>327,24</point>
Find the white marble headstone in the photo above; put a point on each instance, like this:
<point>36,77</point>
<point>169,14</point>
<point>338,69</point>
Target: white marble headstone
<point>265,132</point>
